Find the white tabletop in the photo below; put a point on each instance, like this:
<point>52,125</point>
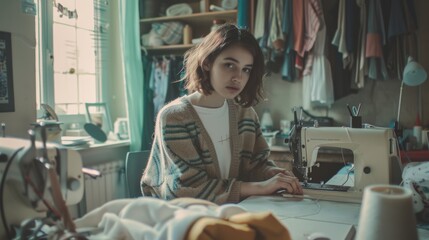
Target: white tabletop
<point>302,217</point>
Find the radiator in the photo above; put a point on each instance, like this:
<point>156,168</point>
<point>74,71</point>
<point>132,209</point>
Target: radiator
<point>109,186</point>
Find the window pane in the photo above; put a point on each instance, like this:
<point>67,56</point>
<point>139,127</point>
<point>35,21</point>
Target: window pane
<point>64,48</point>
<point>85,15</point>
<point>86,52</point>
<point>75,54</point>
<point>87,88</point>
<point>65,88</point>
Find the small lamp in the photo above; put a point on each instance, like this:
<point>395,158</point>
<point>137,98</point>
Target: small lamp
<point>414,75</point>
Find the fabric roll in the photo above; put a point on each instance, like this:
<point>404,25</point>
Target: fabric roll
<point>179,9</point>
<point>243,14</point>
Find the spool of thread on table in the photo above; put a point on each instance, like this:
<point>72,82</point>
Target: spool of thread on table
<point>387,213</point>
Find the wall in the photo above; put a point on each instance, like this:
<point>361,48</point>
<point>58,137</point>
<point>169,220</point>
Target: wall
<point>379,98</point>
<point>22,27</point>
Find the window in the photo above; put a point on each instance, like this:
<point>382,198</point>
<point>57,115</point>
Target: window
<point>73,38</point>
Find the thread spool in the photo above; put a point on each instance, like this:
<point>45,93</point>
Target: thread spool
<point>387,213</point>
<point>425,139</point>
<point>187,34</point>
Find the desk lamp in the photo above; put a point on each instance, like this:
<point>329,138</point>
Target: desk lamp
<point>414,75</point>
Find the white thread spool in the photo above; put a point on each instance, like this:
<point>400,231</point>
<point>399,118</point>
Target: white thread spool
<point>187,34</point>
<point>387,213</point>
<point>425,138</point>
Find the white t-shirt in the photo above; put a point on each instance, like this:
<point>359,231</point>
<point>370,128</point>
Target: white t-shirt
<point>216,122</point>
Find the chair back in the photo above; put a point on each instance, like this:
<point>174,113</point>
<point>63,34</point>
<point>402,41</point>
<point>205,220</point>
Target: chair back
<point>135,164</point>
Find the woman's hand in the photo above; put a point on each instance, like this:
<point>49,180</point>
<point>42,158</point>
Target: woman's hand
<point>280,181</point>
<point>276,170</point>
<point>284,180</point>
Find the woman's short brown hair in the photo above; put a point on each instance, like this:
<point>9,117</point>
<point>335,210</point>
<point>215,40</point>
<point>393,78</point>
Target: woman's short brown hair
<point>197,79</point>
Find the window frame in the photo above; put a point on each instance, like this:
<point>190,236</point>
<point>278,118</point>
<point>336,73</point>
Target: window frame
<point>45,59</point>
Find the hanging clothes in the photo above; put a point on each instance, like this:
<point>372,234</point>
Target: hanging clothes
<point>159,83</point>
<point>298,33</point>
<point>317,83</point>
<point>313,14</point>
<point>288,66</point>
<point>276,38</point>
<point>339,39</point>
<point>149,117</point>
<point>260,19</point>
<point>360,68</point>
<point>262,31</point>
<point>351,25</point>
<point>175,86</point>
<point>402,39</point>
<point>162,86</point>
<point>375,40</point>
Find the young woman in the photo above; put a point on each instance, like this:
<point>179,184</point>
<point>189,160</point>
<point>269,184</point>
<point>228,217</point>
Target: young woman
<point>209,144</point>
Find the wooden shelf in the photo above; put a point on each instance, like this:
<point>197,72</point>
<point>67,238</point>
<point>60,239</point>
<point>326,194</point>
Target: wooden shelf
<point>199,22</point>
<point>167,49</point>
<point>196,18</point>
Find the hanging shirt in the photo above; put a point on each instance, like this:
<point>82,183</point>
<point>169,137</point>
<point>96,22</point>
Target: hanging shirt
<point>159,83</point>
<point>318,87</point>
<point>288,67</point>
<point>375,40</point>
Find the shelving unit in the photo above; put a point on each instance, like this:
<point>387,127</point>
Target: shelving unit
<point>200,23</point>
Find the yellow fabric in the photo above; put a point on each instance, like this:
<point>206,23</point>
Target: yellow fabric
<point>243,226</point>
<point>207,228</point>
<point>266,225</point>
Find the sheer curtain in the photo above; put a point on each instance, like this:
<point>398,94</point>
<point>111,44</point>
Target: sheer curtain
<point>133,69</point>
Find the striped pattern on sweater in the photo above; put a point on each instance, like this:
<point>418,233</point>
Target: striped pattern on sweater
<point>183,161</point>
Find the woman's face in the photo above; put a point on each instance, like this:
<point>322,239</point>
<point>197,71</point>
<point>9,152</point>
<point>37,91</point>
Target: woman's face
<point>230,72</point>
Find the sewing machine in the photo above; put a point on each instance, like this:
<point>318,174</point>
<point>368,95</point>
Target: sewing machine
<point>27,181</point>
<point>375,159</point>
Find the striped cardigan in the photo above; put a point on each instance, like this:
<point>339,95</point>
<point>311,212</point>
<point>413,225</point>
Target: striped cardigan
<point>183,161</point>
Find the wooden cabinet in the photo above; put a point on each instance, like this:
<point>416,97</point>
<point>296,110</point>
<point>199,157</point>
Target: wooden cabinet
<point>200,23</point>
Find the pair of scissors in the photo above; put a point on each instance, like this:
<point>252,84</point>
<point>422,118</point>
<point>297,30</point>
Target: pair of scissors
<point>354,111</point>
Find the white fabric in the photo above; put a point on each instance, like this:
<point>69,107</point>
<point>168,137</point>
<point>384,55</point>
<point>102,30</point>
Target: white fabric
<point>216,122</point>
<point>318,87</point>
<point>179,9</point>
<point>260,20</point>
<point>148,218</point>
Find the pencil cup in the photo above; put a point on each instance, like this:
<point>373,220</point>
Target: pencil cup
<point>356,122</point>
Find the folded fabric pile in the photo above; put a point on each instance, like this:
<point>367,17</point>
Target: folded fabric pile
<point>167,33</point>
<point>179,9</point>
<point>183,218</point>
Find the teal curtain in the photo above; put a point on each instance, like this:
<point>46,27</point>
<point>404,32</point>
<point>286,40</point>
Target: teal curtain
<point>133,69</point>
